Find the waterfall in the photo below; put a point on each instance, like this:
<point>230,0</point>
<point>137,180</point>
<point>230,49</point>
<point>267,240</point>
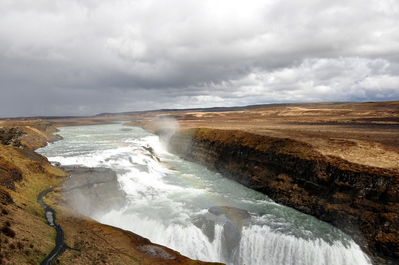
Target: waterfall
<point>195,211</point>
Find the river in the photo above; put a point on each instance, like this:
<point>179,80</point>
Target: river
<point>195,211</point>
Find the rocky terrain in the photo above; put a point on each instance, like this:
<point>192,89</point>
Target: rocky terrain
<point>360,200</point>
<point>25,237</point>
<point>337,162</point>
<point>92,189</point>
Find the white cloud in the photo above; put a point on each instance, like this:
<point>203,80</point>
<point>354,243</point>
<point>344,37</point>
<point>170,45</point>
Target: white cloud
<point>187,53</point>
<point>129,46</point>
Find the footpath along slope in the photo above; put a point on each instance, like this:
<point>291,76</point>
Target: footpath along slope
<point>25,236</point>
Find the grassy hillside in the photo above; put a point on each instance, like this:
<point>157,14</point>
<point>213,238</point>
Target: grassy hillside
<point>25,236</point>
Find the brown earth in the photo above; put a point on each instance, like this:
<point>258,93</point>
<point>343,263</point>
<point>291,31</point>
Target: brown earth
<point>360,200</point>
<point>25,237</point>
<point>363,133</point>
<point>338,162</point>
<point>357,142</point>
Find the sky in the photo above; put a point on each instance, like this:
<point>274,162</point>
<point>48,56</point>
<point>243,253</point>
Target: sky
<point>85,57</point>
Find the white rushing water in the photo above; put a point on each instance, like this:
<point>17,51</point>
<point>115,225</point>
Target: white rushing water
<point>169,198</point>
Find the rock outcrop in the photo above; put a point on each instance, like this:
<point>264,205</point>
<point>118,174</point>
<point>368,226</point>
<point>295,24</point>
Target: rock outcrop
<point>25,238</point>
<point>233,218</point>
<point>90,190</point>
<point>31,134</point>
<point>362,201</point>
<point>11,136</point>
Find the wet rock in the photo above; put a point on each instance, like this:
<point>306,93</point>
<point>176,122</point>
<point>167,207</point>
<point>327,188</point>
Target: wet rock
<point>92,190</point>
<point>362,201</point>
<point>234,219</point>
<point>207,227</point>
<point>231,240</point>
<point>236,215</point>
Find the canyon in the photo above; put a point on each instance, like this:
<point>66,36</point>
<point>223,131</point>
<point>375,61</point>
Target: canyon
<point>25,237</point>
<point>360,200</point>
<point>336,161</point>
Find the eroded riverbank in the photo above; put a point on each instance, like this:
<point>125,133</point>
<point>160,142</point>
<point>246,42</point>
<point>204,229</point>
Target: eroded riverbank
<point>189,208</point>
<point>25,236</point>
<point>360,200</point>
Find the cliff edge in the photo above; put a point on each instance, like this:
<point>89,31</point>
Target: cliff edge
<point>25,237</point>
<point>361,200</point>
<point>338,161</point>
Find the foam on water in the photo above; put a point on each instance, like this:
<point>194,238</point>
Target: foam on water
<point>169,198</point>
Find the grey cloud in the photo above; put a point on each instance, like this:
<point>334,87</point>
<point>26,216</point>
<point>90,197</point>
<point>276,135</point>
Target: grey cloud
<point>130,55</point>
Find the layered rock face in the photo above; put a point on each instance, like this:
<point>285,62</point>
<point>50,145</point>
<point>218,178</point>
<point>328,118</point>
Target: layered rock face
<point>91,190</point>
<point>25,237</point>
<point>362,201</point>
<point>31,134</point>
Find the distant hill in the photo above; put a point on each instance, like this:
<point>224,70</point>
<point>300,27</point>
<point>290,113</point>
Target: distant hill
<point>237,108</point>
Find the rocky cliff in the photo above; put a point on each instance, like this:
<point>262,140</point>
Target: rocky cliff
<point>362,201</point>
<point>91,190</point>
<point>25,237</point>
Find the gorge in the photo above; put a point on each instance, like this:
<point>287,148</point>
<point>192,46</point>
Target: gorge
<point>187,207</point>
<point>362,201</point>
<point>25,236</point>
<point>335,161</point>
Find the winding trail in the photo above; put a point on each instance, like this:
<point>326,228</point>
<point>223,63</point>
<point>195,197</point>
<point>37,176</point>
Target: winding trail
<point>60,246</point>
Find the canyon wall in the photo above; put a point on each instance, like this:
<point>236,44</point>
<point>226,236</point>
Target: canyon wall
<point>360,200</point>
<point>25,237</point>
<point>92,189</point>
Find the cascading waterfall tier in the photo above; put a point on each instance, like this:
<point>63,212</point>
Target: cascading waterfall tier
<point>197,212</point>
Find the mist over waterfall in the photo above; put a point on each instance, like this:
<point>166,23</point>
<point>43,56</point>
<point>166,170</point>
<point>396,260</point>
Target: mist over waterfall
<point>197,212</point>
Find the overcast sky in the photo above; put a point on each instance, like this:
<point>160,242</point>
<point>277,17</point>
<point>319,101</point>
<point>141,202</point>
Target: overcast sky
<point>84,57</point>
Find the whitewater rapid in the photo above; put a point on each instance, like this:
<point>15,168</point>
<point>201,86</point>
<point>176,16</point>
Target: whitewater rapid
<point>169,202</point>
